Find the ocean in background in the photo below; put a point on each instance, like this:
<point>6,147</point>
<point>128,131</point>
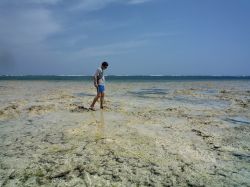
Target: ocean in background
<point>124,78</point>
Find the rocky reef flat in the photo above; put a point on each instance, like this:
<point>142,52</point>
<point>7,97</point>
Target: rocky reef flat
<point>176,133</point>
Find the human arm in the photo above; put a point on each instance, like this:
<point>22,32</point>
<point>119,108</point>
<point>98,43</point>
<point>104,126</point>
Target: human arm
<point>96,79</point>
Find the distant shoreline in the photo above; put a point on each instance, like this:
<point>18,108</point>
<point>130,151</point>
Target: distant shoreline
<point>122,77</point>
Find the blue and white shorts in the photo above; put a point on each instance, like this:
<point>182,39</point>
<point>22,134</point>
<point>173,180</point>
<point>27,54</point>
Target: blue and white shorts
<point>101,88</point>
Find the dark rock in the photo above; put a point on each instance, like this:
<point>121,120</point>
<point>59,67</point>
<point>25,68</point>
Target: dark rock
<point>79,109</point>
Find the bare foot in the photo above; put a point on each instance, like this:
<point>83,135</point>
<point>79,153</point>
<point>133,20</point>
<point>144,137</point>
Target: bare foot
<point>92,108</point>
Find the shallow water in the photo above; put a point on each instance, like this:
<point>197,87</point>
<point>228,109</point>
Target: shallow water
<point>206,102</point>
<point>238,120</point>
<point>207,92</point>
<point>149,93</point>
<point>170,133</point>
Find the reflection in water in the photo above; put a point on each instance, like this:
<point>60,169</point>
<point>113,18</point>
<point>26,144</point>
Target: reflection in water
<point>100,124</point>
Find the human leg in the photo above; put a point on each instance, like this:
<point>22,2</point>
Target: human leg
<point>102,99</point>
<point>94,101</point>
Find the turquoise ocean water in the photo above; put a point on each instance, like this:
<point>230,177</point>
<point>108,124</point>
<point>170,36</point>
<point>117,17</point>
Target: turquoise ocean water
<point>126,78</point>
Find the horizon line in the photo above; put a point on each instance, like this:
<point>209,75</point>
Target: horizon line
<point>62,75</point>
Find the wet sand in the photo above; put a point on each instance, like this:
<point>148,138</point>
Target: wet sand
<point>187,133</point>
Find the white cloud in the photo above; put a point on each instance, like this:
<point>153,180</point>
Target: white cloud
<point>27,26</point>
<point>138,1</point>
<point>17,2</point>
<point>38,32</point>
<point>44,1</point>
<point>90,5</point>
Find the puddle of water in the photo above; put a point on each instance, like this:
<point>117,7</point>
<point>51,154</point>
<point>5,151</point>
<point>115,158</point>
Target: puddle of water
<point>149,93</point>
<point>241,156</point>
<point>207,92</point>
<point>238,120</point>
<point>202,102</point>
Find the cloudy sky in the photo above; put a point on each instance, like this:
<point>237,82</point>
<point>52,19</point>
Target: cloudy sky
<point>137,37</point>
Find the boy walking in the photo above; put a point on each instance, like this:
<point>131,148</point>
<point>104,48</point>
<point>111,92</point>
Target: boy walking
<point>99,82</point>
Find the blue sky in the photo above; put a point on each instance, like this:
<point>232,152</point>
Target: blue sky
<point>137,37</point>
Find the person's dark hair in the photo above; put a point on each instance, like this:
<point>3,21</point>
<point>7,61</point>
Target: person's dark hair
<point>105,64</point>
